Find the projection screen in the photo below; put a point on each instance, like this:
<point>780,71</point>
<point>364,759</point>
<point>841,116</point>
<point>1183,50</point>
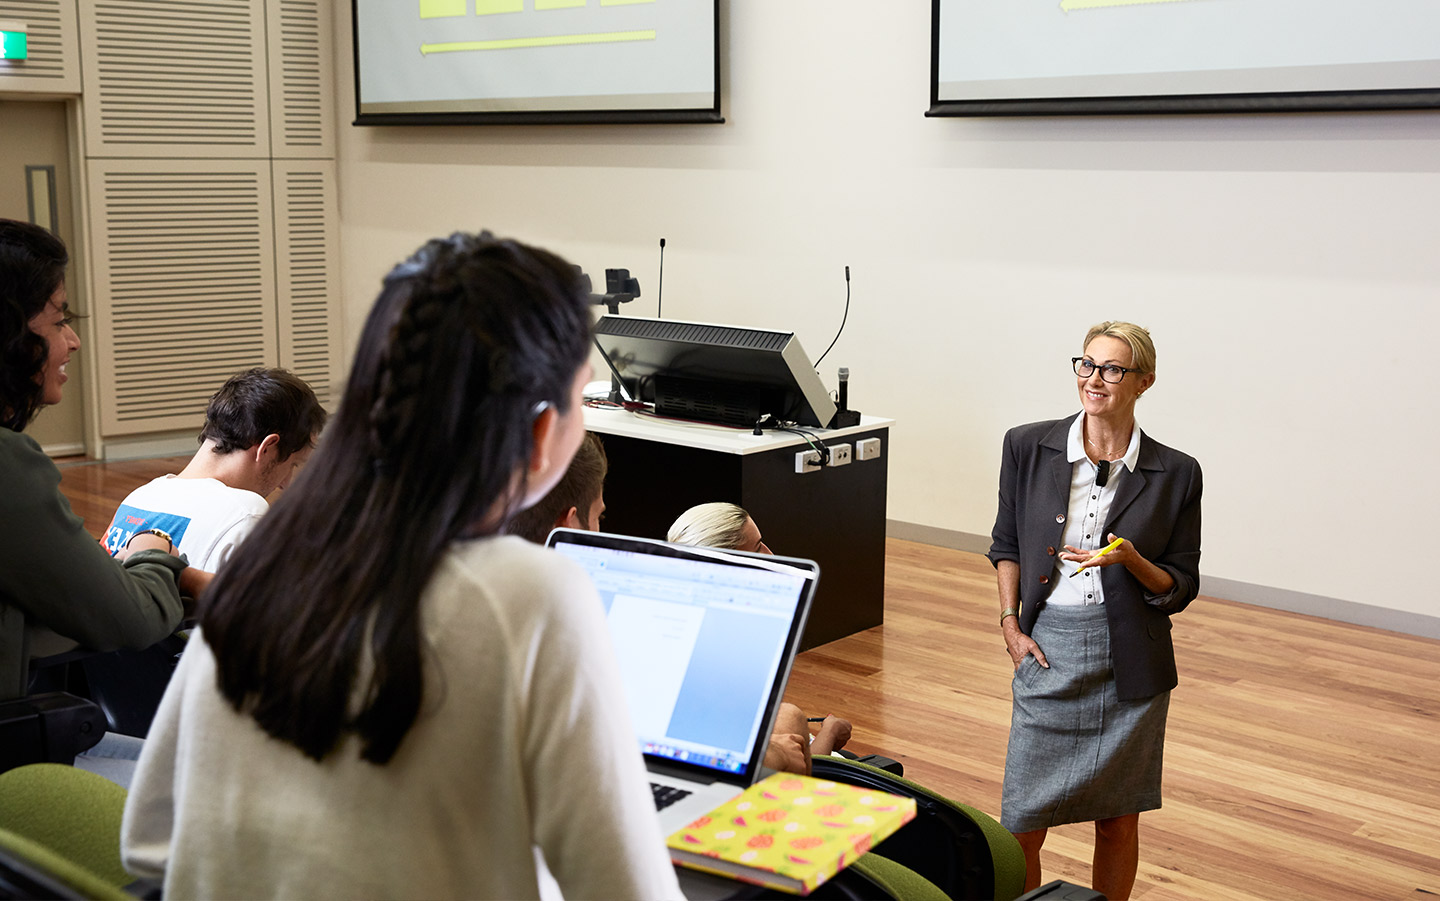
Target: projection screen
<point>420,62</point>
<point>1049,57</point>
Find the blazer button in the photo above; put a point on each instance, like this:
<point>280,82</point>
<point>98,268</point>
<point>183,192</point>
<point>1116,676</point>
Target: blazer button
<point>1044,580</point>
<point>1050,551</point>
<point>1059,517</point>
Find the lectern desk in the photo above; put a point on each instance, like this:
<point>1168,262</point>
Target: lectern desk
<point>835,516</point>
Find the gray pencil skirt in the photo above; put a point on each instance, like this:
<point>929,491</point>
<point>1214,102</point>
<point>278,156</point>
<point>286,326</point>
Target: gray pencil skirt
<point>1077,753</point>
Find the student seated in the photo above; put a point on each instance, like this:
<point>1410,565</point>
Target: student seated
<point>728,526</point>
<point>719,525</point>
<point>576,502</point>
<point>386,698</point>
<point>259,430</point>
<point>58,589</point>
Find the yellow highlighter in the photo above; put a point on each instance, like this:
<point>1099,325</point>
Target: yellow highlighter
<point>1103,551</point>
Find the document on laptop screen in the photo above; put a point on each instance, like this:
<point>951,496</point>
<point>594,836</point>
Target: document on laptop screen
<point>699,645</point>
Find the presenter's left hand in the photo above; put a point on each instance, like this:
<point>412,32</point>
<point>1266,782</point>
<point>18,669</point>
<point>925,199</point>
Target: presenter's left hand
<point>1123,555</point>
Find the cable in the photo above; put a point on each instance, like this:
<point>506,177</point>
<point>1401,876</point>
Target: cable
<point>811,439</point>
<point>842,319</point>
<point>601,403</point>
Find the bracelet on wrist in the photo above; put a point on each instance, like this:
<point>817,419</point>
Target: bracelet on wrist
<point>1009,611</point>
<point>161,533</point>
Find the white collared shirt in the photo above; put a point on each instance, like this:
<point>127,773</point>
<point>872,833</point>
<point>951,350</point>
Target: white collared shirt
<point>1086,515</point>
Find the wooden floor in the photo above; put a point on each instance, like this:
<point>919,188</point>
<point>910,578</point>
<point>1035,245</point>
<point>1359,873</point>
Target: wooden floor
<point>1303,756</point>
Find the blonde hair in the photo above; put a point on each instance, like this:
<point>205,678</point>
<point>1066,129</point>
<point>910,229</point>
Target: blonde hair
<point>718,525</point>
<point>1142,349</point>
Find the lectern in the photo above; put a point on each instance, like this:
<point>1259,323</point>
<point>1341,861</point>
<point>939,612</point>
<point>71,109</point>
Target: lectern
<point>835,515</point>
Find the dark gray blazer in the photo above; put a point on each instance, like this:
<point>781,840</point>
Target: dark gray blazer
<point>1157,508</point>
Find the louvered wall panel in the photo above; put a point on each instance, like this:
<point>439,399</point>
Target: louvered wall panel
<point>175,78</point>
<point>306,246</point>
<point>301,101</point>
<point>54,63</point>
<point>185,285</point>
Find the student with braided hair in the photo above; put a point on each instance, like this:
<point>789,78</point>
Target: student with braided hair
<point>388,697</point>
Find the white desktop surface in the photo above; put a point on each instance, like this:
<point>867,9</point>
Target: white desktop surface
<point>703,436</point>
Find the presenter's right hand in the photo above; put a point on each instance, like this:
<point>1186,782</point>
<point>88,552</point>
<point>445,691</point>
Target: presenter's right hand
<point>1018,644</point>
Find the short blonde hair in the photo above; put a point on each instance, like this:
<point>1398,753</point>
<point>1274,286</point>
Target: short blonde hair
<point>719,525</point>
<point>1142,349</point>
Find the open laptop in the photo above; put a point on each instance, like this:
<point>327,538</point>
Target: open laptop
<point>705,640</point>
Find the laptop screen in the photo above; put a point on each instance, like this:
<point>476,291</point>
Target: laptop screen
<point>704,639</point>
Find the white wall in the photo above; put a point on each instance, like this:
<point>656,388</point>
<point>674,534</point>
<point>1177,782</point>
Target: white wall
<point>1287,265</point>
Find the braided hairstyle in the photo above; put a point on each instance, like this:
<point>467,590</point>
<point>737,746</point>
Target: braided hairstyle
<point>430,445</point>
<point>32,269</point>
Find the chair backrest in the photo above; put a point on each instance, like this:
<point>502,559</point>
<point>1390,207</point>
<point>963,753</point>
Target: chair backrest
<point>73,813</point>
<point>29,869</point>
<point>895,880</point>
<point>963,851</point>
<point>51,727</point>
<point>128,685</point>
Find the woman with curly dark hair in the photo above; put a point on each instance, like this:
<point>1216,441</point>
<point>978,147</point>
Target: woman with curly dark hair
<point>58,587</point>
<point>391,698</point>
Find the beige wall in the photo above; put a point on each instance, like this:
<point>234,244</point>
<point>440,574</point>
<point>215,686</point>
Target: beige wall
<point>1286,265</point>
<point>35,133</point>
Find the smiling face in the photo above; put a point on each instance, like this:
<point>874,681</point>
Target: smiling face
<point>1102,399</point>
<point>52,324</point>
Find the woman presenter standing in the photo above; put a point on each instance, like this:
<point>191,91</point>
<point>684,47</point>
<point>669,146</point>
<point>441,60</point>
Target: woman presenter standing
<point>1096,545</point>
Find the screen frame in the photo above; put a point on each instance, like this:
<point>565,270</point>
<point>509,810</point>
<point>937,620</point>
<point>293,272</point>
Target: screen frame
<point>808,569</point>
<point>711,115</point>
<point>706,353</point>
<point>1152,104</point>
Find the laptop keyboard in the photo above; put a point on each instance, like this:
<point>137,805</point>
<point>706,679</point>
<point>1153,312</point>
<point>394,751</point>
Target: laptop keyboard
<point>666,795</point>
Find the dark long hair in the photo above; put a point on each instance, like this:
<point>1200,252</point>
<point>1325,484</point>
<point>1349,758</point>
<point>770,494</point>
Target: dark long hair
<point>32,268</point>
<point>467,338</point>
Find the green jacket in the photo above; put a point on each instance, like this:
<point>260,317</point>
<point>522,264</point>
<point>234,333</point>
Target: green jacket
<point>54,576</point>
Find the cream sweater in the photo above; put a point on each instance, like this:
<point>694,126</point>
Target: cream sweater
<point>524,743</point>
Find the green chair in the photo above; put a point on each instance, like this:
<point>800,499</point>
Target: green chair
<point>28,869</point>
<point>65,821</point>
<point>962,851</point>
<point>897,881</point>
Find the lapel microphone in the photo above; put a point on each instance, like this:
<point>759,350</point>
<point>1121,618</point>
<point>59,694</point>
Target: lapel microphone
<point>1103,475</point>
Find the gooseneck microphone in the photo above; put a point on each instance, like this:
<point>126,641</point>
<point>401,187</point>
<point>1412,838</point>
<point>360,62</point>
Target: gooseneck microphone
<point>660,286</point>
<point>842,321</point>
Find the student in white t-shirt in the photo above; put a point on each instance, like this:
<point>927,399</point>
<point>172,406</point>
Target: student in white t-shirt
<point>259,430</point>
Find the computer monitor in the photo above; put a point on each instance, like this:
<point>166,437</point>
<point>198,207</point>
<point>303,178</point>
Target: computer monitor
<point>715,373</point>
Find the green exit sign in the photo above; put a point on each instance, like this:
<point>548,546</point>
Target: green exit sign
<point>14,45</point>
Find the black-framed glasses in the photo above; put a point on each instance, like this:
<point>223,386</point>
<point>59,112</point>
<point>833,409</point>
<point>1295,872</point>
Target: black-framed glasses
<point>1109,372</point>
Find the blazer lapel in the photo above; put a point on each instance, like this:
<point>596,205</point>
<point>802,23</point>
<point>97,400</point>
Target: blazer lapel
<point>1057,440</point>
<point>1133,483</point>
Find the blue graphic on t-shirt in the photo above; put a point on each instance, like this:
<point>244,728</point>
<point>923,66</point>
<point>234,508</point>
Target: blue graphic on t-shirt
<point>129,520</point>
